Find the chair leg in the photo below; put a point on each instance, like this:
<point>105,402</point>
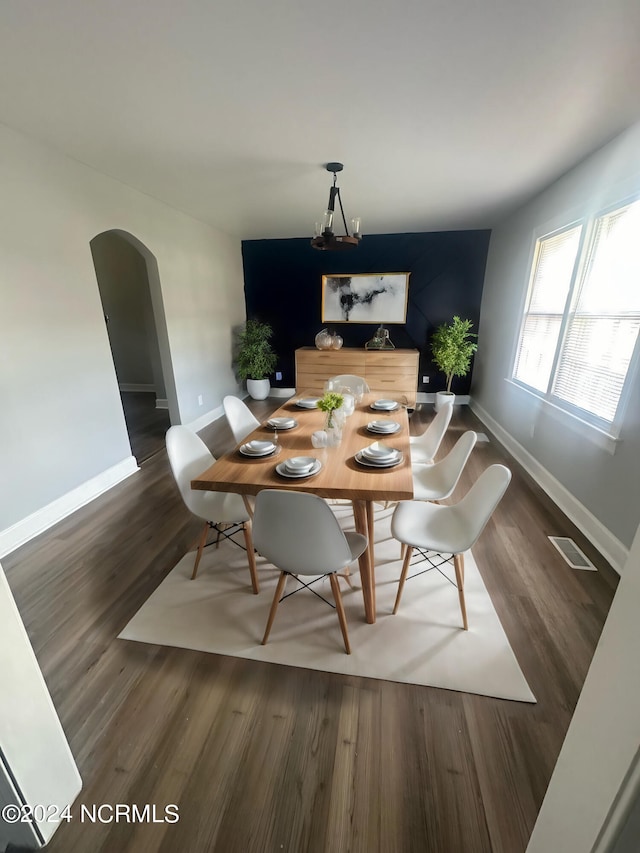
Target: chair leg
<point>337,597</point>
<point>403,576</point>
<point>274,605</point>
<point>458,562</point>
<point>201,544</point>
<point>347,576</point>
<point>403,548</point>
<point>248,541</point>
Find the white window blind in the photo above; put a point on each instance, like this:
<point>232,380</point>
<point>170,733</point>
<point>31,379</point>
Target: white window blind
<point>604,320</point>
<point>582,318</point>
<point>552,273</point>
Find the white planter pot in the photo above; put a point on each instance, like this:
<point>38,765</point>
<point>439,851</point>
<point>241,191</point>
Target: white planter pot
<point>258,388</point>
<point>444,398</point>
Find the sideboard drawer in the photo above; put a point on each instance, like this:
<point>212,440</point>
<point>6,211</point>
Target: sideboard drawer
<point>388,380</point>
<point>396,359</point>
<point>393,372</point>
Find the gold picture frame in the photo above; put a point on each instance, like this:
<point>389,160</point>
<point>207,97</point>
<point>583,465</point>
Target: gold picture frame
<point>365,298</point>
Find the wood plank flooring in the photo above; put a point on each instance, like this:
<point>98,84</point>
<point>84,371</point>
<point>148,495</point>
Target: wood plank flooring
<point>146,425</point>
<point>260,757</point>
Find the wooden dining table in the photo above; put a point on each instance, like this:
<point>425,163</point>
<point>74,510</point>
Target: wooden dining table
<point>341,476</point>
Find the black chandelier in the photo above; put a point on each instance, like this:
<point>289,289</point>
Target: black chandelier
<point>324,238</point>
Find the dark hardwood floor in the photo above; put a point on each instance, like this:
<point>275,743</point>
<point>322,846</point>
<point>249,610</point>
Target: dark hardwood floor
<point>146,425</point>
<point>260,757</point>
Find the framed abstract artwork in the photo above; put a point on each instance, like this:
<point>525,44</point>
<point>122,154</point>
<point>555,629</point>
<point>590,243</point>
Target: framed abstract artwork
<point>365,298</point>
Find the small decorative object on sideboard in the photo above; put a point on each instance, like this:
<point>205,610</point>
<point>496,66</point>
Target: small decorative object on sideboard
<point>380,340</point>
<point>323,339</point>
<point>452,350</point>
<point>328,340</point>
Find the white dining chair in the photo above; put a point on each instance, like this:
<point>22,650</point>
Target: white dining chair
<point>438,481</point>
<point>448,529</point>
<point>240,418</point>
<point>425,446</point>
<point>357,384</point>
<point>300,535</point>
<point>223,512</point>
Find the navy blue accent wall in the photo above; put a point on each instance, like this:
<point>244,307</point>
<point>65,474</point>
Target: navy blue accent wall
<point>282,282</point>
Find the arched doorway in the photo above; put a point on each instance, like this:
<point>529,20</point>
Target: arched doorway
<point>129,285</point>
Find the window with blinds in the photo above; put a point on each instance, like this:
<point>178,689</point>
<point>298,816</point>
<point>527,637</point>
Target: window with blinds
<point>582,317</point>
<point>551,278</point>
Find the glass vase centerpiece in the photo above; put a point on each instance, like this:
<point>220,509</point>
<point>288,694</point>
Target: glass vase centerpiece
<point>330,403</point>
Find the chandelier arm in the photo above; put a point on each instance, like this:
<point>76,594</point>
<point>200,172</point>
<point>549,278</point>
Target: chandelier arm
<point>346,230</point>
<point>327,239</point>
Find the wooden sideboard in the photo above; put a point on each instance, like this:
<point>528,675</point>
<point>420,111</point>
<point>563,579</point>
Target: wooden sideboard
<point>391,372</point>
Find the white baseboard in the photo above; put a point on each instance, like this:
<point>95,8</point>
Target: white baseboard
<point>609,545</point>
<point>162,403</point>
<point>135,386</point>
<point>25,529</point>
<point>206,419</point>
<point>423,397</point>
<point>213,415</point>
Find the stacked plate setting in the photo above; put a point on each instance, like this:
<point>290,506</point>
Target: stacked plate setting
<point>282,423</point>
<point>384,405</point>
<point>307,402</point>
<point>379,455</point>
<point>383,427</point>
<point>299,466</point>
<point>257,448</point>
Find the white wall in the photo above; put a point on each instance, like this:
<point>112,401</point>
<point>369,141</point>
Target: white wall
<point>606,485</point>
<point>35,749</point>
<point>604,735</point>
<point>61,420</point>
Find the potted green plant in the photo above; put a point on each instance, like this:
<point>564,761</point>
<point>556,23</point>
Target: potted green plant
<point>452,348</point>
<point>256,359</point>
<point>329,403</point>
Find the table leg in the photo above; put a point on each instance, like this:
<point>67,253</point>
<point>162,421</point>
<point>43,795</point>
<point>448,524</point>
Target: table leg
<point>360,517</point>
<point>248,504</point>
<point>370,508</point>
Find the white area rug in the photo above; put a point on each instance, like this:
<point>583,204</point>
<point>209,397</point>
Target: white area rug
<point>422,644</point>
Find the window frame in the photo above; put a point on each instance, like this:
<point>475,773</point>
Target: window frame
<point>587,222</point>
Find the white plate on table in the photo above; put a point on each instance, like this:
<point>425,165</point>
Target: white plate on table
<point>257,448</point>
<point>385,405</point>
<point>299,464</point>
<point>307,402</point>
<point>383,427</point>
<point>379,452</point>
<point>372,463</point>
<point>282,470</point>
<point>282,423</point>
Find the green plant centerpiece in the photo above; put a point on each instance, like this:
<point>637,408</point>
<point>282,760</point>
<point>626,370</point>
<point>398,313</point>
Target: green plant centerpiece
<point>256,358</point>
<point>452,348</point>
<point>328,403</point>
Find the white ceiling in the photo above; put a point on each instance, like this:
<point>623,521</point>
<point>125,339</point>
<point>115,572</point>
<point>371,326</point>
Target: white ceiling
<point>446,113</point>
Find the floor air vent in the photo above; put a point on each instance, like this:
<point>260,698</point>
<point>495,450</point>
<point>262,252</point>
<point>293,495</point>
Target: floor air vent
<point>572,554</point>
